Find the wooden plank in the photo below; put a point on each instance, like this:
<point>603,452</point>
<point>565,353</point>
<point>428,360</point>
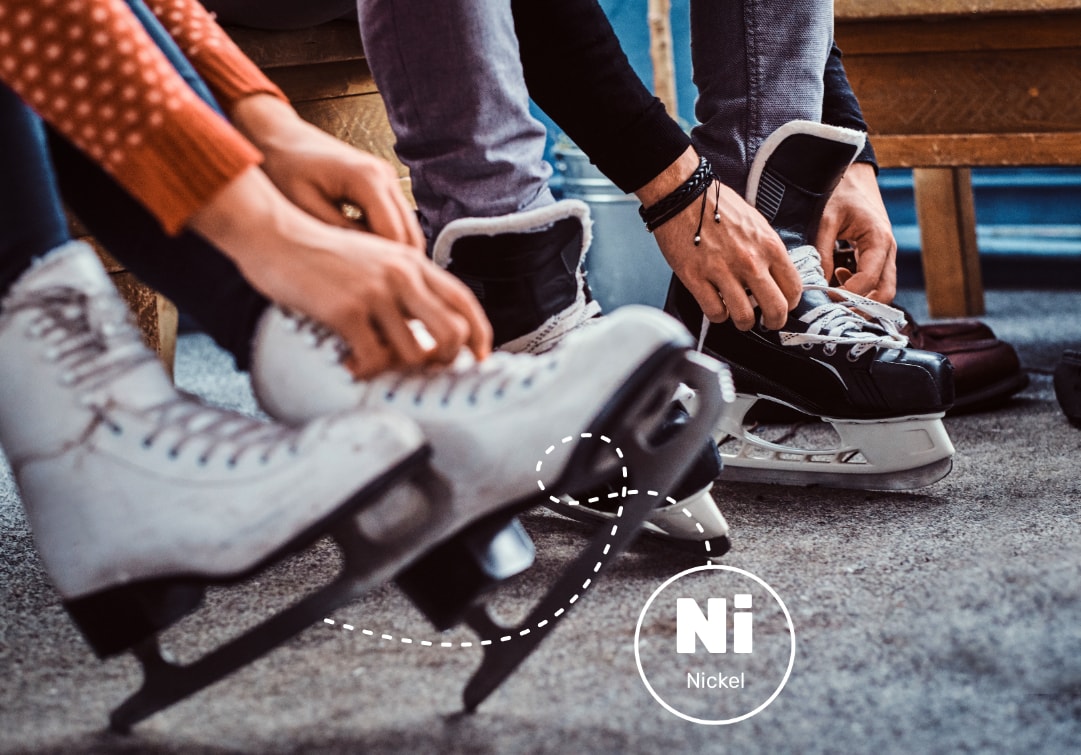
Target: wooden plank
<point>334,41</point>
<point>845,10</point>
<point>947,217</point>
<point>1026,91</point>
<point>880,37</point>
<point>358,120</point>
<point>323,81</point>
<point>978,150</point>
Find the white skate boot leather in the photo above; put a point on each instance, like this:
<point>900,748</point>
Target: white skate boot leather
<point>527,271</point>
<point>514,431</point>
<point>839,356</point>
<point>138,496</point>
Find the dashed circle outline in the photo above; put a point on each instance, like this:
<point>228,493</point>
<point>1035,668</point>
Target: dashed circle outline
<point>624,492</point>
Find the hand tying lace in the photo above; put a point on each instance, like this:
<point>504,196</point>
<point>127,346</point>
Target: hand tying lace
<point>465,379</point>
<point>846,319</point>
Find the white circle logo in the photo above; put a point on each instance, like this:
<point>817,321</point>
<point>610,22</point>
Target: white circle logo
<point>715,645</point>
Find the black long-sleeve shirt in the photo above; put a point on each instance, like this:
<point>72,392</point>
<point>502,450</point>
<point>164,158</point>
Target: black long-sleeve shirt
<point>579,75</point>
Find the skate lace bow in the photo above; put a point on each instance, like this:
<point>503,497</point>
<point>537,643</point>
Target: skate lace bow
<point>94,342</point>
<point>854,320</point>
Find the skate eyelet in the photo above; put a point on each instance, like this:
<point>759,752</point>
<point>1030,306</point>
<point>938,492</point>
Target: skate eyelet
<point>148,443</point>
<point>807,346</point>
<point>389,395</point>
<point>264,460</point>
<point>203,461</point>
<point>231,462</point>
<point>851,357</point>
<point>116,429</point>
<point>174,453</point>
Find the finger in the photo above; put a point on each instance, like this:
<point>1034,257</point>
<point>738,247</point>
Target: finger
<point>735,299</point>
<point>445,330</point>
<point>709,301</point>
<point>401,341</point>
<point>461,301</point>
<point>772,303</point>
<point>368,355</point>
<point>788,280</point>
<point>375,189</point>
<point>842,274</point>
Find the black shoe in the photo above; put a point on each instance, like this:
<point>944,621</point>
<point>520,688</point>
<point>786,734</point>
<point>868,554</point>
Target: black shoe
<point>1068,386</point>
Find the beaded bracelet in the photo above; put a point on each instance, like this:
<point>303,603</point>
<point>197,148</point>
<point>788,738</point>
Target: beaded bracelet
<point>681,198</point>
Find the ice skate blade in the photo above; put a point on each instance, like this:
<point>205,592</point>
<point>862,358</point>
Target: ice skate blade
<point>910,479</point>
<point>693,525</point>
<point>901,453</point>
<point>628,419</point>
<point>367,563</point>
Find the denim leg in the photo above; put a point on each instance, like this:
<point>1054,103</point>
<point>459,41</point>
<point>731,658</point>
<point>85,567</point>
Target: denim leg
<point>451,77</point>
<point>31,220</point>
<point>757,64</point>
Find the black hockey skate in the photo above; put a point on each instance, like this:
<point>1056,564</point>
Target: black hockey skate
<point>839,356</point>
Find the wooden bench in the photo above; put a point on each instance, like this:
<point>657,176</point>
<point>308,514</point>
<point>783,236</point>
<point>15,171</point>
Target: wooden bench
<point>947,85</point>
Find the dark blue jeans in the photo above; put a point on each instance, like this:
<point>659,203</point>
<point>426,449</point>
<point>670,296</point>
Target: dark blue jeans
<point>40,167</point>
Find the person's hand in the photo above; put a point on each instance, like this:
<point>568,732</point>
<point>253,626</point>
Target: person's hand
<point>318,173</point>
<point>856,214</point>
<point>737,258</point>
<point>366,288</point>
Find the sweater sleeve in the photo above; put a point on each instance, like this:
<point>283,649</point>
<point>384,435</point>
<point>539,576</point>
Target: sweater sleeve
<point>840,106</point>
<point>228,71</point>
<point>579,75</point>
<point>89,68</point>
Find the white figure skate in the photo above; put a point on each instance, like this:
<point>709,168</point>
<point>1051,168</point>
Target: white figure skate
<point>139,496</point>
<point>512,432</point>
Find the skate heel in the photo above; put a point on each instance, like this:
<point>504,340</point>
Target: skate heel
<point>447,582</point>
<point>122,617</point>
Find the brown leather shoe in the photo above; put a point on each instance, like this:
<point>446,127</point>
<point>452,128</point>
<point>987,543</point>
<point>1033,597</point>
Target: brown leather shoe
<point>986,370</point>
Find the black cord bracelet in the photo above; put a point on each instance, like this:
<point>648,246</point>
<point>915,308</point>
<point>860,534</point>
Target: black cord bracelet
<point>681,198</point>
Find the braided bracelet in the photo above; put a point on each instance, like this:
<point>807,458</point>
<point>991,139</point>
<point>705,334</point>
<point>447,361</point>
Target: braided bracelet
<point>681,198</point>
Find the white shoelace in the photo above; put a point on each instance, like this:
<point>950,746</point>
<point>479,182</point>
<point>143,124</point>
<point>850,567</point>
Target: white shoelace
<point>94,352</point>
<point>465,379</point>
<point>848,319</point>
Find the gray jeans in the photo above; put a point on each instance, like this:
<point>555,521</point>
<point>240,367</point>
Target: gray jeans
<point>452,80</point>
<point>757,65</point>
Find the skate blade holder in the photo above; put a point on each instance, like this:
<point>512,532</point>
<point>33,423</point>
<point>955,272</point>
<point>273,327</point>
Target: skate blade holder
<point>627,420</point>
<point>368,562</point>
<point>902,453</point>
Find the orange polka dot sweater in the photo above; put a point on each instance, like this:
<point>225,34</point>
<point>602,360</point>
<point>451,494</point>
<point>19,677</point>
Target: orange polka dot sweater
<point>89,68</point>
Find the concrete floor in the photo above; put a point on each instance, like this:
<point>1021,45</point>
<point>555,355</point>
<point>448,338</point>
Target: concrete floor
<point>942,620</point>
